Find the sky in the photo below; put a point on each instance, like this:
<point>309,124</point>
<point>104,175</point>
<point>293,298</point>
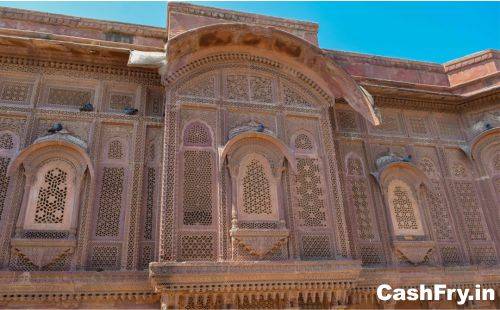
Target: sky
<point>425,31</point>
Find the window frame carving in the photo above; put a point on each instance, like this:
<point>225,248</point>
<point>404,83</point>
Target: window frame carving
<point>60,147</point>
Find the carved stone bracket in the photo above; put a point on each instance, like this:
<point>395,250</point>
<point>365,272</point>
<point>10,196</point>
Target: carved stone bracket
<point>42,252</point>
<point>259,242</point>
<point>415,252</point>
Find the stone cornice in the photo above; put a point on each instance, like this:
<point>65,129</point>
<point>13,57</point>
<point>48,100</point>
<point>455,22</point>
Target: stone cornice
<point>384,61</point>
<point>79,22</point>
<point>238,276</point>
<point>240,17</point>
<point>471,60</point>
<point>77,66</point>
<point>75,286</point>
<point>50,38</point>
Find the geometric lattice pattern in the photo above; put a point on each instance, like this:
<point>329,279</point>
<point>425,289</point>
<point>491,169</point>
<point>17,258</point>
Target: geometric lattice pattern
<point>118,102</point>
<point>110,201</point>
<point>256,189</point>
<point>418,125</point>
<point>311,207</point>
<point>150,191</point>
<point>261,89</point>
<point>303,142</point>
<point>347,121</point>
<point>197,189</point>
<point>466,198</point>
<point>360,203</point>
<point>403,208</point>
<point>68,97</point>
<point>52,196</point>
<point>292,98</point>
<point>354,167</point>
<point>316,247</point>
<point>197,248</point>
<point>15,92</point>
<point>147,256</point>
<point>6,141</point>
<point>4,182</point>
<point>371,254</point>
<point>115,150</point>
<point>427,166</point>
<point>237,87</point>
<point>197,134</point>
<point>439,213</point>
<point>450,255</point>
<point>458,170</point>
<point>484,255</point>
<point>105,258</point>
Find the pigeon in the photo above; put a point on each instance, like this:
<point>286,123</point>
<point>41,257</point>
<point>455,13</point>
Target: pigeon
<point>55,128</point>
<point>87,107</point>
<point>487,126</point>
<point>260,128</point>
<point>130,111</point>
<point>407,159</point>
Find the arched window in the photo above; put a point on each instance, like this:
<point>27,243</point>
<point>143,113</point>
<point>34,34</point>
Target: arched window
<point>404,209</point>
<point>197,134</point>
<point>51,197</point>
<point>55,168</point>
<point>198,175</point>
<point>256,189</point>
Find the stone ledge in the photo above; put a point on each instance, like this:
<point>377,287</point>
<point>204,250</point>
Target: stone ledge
<point>253,274</point>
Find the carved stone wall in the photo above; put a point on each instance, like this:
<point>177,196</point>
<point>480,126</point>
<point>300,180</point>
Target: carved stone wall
<point>244,162</point>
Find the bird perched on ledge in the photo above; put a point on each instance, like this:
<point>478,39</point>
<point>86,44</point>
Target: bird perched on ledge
<point>56,127</point>
<point>87,107</point>
<point>130,111</point>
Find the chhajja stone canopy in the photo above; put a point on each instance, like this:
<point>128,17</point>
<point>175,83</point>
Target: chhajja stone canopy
<point>279,48</point>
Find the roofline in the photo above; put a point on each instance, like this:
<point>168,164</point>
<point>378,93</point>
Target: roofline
<point>81,22</point>
<point>305,25</point>
<point>446,66</point>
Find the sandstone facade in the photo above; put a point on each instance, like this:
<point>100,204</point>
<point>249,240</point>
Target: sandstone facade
<point>257,171</point>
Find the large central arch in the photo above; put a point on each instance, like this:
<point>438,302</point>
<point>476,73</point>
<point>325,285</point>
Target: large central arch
<point>269,45</point>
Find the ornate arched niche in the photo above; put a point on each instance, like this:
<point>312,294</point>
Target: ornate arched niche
<point>402,187</point>
<point>256,161</point>
<point>485,153</point>
<point>55,167</point>
<point>255,87</point>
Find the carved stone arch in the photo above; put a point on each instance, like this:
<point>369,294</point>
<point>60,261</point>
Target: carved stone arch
<point>403,188</point>
<point>284,51</point>
<point>255,162</point>
<point>255,138</point>
<point>486,140</point>
<point>55,169</point>
<point>302,141</point>
<point>485,151</point>
<point>54,145</point>
<point>197,132</point>
<point>402,169</point>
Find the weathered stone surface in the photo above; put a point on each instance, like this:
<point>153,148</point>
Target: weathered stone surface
<point>259,171</point>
